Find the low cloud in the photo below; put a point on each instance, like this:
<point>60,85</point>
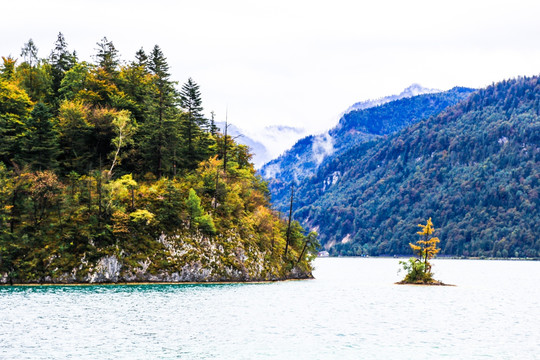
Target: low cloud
<point>323,145</point>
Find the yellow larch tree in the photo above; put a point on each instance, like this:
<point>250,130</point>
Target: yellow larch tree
<point>427,247</point>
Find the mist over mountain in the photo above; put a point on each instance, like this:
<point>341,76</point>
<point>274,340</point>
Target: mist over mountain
<point>266,143</point>
<point>474,168</point>
<point>355,127</point>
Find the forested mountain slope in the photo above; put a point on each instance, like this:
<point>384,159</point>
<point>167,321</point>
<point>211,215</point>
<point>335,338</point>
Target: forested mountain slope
<point>474,169</point>
<point>355,127</point>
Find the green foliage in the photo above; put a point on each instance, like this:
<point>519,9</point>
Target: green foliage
<point>61,61</point>
<point>316,154</point>
<point>193,204</point>
<point>193,126</point>
<point>41,140</point>
<point>206,224</point>
<point>15,107</point>
<point>474,168</point>
<point>106,160</point>
<point>197,218</point>
<point>416,272</point>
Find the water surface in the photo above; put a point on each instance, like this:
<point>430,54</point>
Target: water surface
<point>351,311</point>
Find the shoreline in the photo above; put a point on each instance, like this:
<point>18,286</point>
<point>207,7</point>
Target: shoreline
<point>437,283</point>
<point>437,258</point>
<point>157,283</point>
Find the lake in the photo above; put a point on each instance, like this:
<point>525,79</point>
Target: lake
<point>352,310</point>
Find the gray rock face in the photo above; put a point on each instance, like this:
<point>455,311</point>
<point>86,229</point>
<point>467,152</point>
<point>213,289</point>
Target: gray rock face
<point>193,259</point>
<point>107,270</point>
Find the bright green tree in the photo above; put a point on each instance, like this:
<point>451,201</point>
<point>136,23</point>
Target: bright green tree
<point>196,215</point>
<point>74,82</point>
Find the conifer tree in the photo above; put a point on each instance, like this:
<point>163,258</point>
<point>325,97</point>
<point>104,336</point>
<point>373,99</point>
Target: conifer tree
<point>29,53</point>
<point>41,140</point>
<point>61,61</point>
<point>107,56</point>
<point>141,59</point>
<point>419,270</point>
<point>159,133</point>
<point>193,124</point>
<point>426,248</point>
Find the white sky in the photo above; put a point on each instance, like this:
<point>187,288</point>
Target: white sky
<point>297,63</point>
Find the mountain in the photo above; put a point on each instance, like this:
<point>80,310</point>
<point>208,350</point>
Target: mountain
<point>257,149</point>
<point>474,169</point>
<point>267,143</point>
<point>413,90</point>
<point>354,127</point>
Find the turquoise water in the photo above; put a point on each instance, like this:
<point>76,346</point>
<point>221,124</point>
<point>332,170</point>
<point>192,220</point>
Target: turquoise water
<point>351,311</point>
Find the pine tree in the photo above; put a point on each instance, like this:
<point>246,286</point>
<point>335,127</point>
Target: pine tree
<point>41,140</point>
<point>159,133</point>
<point>107,56</point>
<point>29,53</point>
<point>61,61</point>
<point>141,59</point>
<point>193,125</point>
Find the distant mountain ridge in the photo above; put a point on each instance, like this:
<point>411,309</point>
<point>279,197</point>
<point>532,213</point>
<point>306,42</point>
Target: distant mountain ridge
<point>413,90</point>
<point>355,127</point>
<point>474,168</point>
<point>266,143</point>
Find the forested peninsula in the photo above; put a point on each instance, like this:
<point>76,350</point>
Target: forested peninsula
<point>109,173</point>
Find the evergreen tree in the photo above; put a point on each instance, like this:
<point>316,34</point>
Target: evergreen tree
<point>192,125</point>
<point>159,133</point>
<point>141,59</point>
<point>41,140</point>
<point>29,53</point>
<point>61,61</point>
<point>107,56</point>
<point>137,82</point>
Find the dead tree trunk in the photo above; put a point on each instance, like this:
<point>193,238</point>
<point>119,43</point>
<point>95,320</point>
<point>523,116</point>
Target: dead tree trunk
<point>289,225</point>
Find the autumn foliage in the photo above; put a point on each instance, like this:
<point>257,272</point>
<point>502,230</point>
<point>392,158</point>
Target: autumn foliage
<point>419,269</point>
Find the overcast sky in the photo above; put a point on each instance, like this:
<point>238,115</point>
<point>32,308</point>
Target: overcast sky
<point>298,63</point>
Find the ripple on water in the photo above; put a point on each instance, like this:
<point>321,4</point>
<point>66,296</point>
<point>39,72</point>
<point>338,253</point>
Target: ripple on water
<point>352,310</point>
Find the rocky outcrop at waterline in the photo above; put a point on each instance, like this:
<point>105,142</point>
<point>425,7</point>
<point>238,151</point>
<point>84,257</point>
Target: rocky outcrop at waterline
<point>190,259</point>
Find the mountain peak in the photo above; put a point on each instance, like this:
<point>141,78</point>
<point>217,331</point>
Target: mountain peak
<point>413,90</point>
<point>416,89</point>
